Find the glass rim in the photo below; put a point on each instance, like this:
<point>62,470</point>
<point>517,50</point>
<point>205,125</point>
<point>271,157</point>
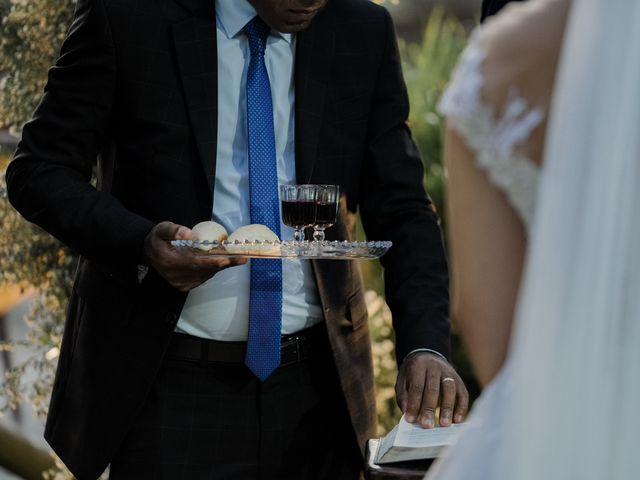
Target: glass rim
<point>307,185</point>
<point>302,185</point>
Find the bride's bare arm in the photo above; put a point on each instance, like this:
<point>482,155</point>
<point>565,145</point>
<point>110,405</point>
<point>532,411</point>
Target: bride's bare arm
<point>487,236</point>
<point>487,244</point>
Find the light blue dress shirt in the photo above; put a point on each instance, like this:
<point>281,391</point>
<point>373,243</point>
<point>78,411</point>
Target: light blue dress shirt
<point>219,308</point>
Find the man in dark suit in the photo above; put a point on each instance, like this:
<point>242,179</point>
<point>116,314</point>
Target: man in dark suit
<point>197,109</point>
<point>491,7</point>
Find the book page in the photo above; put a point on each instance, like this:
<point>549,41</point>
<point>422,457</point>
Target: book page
<point>410,435</point>
<point>412,442</point>
<point>387,442</point>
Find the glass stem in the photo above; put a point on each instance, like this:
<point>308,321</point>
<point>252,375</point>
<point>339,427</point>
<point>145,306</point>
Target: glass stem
<point>298,234</point>
<point>318,234</point>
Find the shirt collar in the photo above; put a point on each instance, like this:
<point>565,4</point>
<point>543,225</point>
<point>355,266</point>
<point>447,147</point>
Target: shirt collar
<point>233,15</point>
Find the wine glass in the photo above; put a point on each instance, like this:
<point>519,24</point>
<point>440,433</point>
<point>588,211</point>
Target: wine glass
<point>298,207</point>
<point>327,197</point>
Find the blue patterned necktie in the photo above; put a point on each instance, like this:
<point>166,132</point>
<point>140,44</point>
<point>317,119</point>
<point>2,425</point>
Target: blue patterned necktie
<point>265,300</point>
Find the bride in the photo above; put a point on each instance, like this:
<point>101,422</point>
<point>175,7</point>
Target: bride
<point>563,380</point>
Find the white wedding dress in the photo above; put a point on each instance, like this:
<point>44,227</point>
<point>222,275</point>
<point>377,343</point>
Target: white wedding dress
<point>564,406</point>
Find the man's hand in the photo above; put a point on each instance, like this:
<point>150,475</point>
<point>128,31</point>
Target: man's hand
<point>183,269</point>
<point>425,381</point>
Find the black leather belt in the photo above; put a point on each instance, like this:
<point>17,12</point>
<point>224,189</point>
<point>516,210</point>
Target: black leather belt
<point>294,348</point>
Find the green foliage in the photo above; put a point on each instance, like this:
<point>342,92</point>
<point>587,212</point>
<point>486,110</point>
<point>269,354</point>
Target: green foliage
<point>384,365</point>
<point>5,6</point>
<point>31,257</point>
<point>32,32</point>
<point>427,67</point>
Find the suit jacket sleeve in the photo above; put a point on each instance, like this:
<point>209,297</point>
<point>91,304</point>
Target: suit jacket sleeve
<point>394,206</point>
<point>48,180</point>
<point>491,7</point>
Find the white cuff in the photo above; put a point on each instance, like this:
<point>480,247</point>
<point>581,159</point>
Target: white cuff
<point>425,350</point>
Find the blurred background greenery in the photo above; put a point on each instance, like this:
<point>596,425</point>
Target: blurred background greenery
<point>35,262</point>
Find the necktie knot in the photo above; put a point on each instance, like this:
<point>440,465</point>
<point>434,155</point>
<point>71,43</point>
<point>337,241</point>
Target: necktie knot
<point>257,32</point>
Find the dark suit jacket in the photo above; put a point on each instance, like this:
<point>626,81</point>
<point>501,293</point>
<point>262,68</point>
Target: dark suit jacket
<point>136,85</point>
<point>491,7</point>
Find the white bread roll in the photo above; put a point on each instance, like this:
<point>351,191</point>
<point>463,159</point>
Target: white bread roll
<point>252,233</point>
<point>210,231</point>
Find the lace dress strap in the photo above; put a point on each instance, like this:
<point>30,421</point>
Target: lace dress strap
<point>493,140</point>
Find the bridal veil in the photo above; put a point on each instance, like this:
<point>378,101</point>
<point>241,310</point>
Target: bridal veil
<point>565,406</point>
<point>575,352</point>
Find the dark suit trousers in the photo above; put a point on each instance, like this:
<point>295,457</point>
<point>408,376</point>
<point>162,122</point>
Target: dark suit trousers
<point>221,422</point>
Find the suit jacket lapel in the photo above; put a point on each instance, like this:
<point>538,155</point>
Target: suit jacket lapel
<point>314,55</point>
<point>196,50</point>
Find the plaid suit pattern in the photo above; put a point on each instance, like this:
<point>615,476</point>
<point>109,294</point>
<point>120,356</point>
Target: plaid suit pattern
<point>139,80</point>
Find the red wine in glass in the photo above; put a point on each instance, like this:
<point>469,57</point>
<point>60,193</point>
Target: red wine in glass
<point>327,197</point>
<point>298,214</point>
<point>298,207</point>
<point>326,214</point>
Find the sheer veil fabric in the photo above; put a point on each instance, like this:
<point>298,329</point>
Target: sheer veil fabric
<point>576,349</point>
<point>565,405</point>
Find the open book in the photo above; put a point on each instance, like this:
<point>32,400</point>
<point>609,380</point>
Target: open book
<point>412,442</point>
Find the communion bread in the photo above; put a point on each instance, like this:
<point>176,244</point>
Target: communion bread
<point>252,233</point>
<point>210,231</point>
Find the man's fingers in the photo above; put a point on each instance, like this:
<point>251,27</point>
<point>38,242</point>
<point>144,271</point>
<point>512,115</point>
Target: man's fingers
<point>237,261</point>
<point>462,403</point>
<point>414,388</point>
<point>170,231</point>
<point>401,392</point>
<point>157,248</point>
<point>193,272</point>
<point>430,399</point>
<point>233,261</point>
<point>183,269</point>
<point>447,400</point>
<point>214,264</point>
<point>426,382</point>
<point>183,233</point>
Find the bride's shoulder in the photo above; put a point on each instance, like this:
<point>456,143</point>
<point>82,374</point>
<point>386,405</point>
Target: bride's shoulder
<point>521,22</point>
<point>521,47</point>
<point>500,92</point>
<point>515,52</point>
